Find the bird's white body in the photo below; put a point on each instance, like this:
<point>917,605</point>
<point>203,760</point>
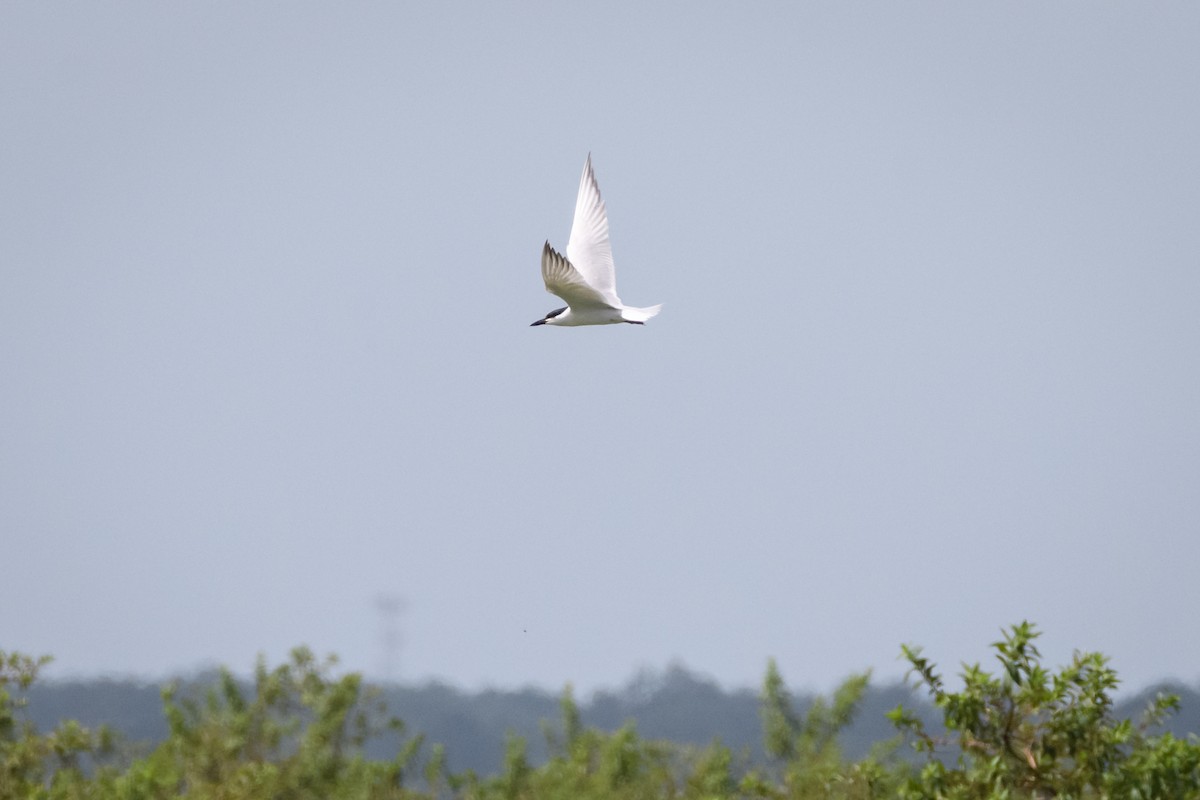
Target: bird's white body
<point>586,280</point>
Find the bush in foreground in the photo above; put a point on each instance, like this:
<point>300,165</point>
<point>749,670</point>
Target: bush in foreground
<point>1028,732</point>
<point>1022,732</point>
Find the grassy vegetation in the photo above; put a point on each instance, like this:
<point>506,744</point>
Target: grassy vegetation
<point>1024,731</point>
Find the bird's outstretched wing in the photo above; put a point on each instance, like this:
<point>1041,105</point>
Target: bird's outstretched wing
<point>588,249</point>
<point>564,280</point>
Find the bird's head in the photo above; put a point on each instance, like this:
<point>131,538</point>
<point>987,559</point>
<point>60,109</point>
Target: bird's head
<point>550,318</point>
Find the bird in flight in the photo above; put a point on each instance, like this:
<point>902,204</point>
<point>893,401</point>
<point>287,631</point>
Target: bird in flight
<point>585,280</point>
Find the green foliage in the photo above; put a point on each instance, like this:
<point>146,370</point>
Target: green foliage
<point>298,734</point>
<point>42,765</point>
<point>1027,732</point>
<point>586,763</point>
<point>805,746</point>
<point>298,731</point>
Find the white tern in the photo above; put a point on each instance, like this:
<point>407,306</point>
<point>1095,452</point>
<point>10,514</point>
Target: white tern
<point>586,280</point>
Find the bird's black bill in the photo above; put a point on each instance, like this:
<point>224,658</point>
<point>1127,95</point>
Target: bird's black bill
<point>550,316</point>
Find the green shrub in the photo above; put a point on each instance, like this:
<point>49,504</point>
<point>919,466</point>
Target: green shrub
<point>1027,732</point>
<point>298,733</point>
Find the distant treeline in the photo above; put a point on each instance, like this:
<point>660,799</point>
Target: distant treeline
<point>674,705</point>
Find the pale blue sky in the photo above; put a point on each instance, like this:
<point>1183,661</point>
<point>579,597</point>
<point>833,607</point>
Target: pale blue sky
<point>928,363</point>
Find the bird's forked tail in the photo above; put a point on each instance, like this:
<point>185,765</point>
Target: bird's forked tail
<point>630,314</point>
